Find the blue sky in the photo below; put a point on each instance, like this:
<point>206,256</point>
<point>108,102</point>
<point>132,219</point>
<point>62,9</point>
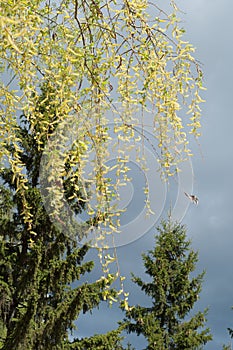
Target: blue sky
<point>209,28</point>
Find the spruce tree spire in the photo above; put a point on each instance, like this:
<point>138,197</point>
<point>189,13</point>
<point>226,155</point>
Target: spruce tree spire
<point>167,324</point>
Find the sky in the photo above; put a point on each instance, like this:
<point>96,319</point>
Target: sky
<point>209,28</point>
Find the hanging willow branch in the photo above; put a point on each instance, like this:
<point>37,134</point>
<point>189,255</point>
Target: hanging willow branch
<point>91,56</point>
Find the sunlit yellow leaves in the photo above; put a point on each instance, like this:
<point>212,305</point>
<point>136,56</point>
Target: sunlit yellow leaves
<point>11,41</point>
<point>88,59</point>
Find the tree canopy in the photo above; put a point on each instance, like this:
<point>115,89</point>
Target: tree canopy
<point>40,289</point>
<point>70,68</point>
<point>93,56</point>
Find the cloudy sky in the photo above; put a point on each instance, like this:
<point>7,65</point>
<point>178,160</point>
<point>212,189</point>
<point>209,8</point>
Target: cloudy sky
<point>210,224</point>
<point>210,29</point>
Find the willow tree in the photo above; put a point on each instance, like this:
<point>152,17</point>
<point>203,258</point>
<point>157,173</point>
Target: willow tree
<point>99,58</point>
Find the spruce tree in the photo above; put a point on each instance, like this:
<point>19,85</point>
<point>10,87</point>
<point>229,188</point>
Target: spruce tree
<point>167,323</point>
<point>38,300</point>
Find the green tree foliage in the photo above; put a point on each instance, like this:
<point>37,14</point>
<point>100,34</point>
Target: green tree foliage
<point>109,341</point>
<point>167,323</point>
<point>38,300</point>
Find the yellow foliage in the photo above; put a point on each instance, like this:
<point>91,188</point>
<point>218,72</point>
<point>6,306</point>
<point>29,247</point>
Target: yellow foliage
<point>89,56</point>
